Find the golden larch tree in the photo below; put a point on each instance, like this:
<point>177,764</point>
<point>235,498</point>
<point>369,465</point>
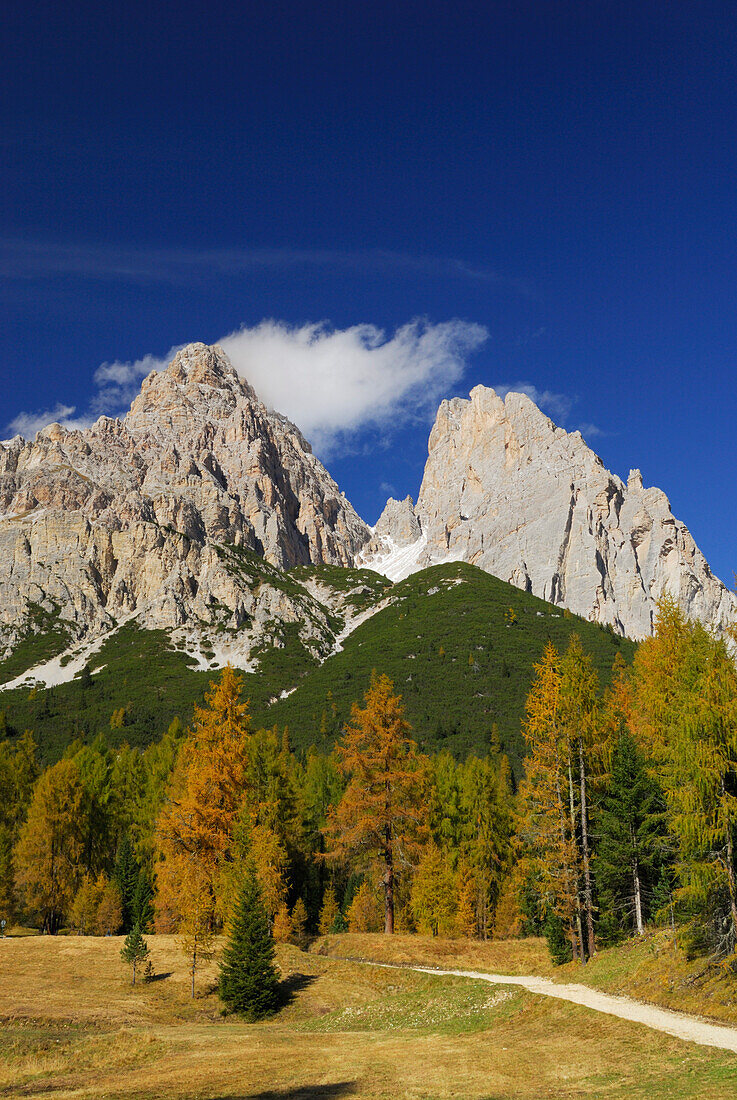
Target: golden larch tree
<point>381,820</point>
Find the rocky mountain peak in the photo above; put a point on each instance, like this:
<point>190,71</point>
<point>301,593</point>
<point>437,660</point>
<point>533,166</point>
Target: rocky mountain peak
<point>129,517</point>
<point>506,489</point>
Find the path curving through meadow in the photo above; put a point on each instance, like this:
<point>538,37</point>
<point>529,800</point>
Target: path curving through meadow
<point>691,1028</point>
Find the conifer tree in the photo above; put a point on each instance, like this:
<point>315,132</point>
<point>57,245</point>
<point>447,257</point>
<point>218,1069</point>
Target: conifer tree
<point>328,912</point>
<point>49,854</point>
<point>126,875</point>
<point>630,824</point>
<point>701,780</point>
<point>134,950</point>
<point>196,829</point>
<point>299,920</point>
<point>546,821</point>
<point>465,919</point>
<point>382,818</point>
<point>249,982</point>
<point>579,719</point>
<point>282,927</point>
<point>142,908</point>
<point>434,898</point>
<point>364,913</point>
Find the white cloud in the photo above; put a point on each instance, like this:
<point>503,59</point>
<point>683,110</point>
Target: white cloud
<point>27,423</point>
<point>335,382</point>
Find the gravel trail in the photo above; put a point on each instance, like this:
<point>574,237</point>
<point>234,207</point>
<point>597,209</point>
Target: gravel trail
<point>691,1028</point>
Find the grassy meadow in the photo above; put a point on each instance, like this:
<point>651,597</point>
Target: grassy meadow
<point>72,1026</point>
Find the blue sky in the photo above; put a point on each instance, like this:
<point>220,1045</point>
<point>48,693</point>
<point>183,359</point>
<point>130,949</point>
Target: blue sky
<point>560,174</point>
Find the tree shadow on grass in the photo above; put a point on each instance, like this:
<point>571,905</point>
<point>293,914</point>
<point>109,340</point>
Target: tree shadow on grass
<point>290,987</point>
<point>159,977</point>
<point>300,1092</point>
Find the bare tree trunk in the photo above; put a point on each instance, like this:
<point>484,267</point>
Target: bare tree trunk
<point>638,896</point>
<point>194,965</point>
<point>571,932</point>
<point>731,874</point>
<point>388,885</point>
<point>588,890</point>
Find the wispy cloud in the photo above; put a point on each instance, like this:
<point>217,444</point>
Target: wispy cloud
<point>37,259</point>
<point>335,382</point>
<point>28,423</point>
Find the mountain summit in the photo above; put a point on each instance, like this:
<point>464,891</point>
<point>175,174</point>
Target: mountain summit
<point>508,491</point>
<point>141,517</point>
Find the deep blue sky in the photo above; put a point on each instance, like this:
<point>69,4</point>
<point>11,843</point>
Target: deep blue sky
<point>562,173</point>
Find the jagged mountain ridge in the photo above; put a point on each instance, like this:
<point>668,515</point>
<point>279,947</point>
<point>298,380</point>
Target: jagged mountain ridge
<point>188,512</point>
<point>507,490</point>
<point>144,517</point>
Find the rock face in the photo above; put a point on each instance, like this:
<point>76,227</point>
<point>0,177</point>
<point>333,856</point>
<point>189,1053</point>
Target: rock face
<point>398,523</point>
<point>130,517</point>
<point>507,490</point>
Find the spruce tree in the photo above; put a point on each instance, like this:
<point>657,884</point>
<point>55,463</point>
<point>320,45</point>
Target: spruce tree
<point>631,840</point>
<point>142,908</point>
<point>249,982</point>
<point>126,875</point>
<point>134,950</point>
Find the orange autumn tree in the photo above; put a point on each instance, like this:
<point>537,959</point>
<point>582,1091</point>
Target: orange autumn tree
<point>195,831</point>
<point>381,820</point>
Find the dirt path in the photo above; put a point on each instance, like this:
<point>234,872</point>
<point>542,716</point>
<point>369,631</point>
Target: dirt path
<point>691,1028</point>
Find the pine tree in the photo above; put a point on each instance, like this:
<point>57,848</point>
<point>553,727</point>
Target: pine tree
<point>249,982</point>
<point>134,950</point>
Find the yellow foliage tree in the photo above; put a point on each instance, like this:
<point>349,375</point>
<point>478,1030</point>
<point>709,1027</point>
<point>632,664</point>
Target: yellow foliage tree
<point>282,927</point>
<point>364,912</point>
<point>547,823</point>
<point>83,912</point>
<point>465,920</point>
<point>434,899</point>
<point>299,921</point>
<point>109,916</point>
<point>195,831</point>
<point>328,912</point>
<point>381,821</point>
<point>50,846</point>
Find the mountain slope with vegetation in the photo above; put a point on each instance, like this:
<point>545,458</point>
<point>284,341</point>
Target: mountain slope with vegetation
<point>459,644</point>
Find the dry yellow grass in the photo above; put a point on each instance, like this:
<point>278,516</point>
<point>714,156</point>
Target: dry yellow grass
<point>73,1027</point>
<point>528,956</point>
